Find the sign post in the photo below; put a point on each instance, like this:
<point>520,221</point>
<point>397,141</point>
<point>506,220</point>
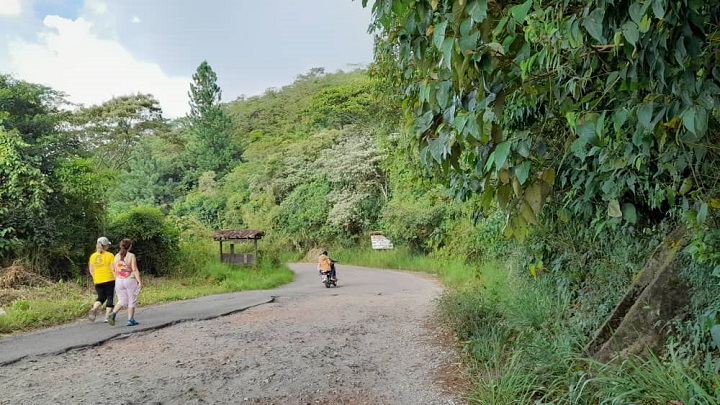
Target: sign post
<point>379,241</point>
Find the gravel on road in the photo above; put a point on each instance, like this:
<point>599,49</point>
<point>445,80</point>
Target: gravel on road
<point>375,339</point>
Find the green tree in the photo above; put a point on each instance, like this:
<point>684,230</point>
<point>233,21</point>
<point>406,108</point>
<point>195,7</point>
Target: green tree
<point>155,172</point>
<point>32,110</point>
<point>155,240</point>
<point>613,105</point>
<point>23,192</point>
<point>210,147</point>
<point>110,131</point>
<point>302,217</point>
<point>353,167</point>
<point>48,192</point>
<point>338,106</point>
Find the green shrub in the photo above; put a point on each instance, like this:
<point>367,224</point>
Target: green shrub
<point>595,270</point>
<point>302,216</point>
<point>415,223</point>
<point>208,207</point>
<point>155,240</point>
<point>469,312</point>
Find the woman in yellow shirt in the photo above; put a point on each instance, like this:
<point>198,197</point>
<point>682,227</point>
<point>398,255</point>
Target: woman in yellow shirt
<point>100,264</point>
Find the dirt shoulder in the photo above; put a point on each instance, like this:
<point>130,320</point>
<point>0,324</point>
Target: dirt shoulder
<point>372,340</point>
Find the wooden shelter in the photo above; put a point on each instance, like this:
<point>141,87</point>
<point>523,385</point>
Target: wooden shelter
<point>238,235</point>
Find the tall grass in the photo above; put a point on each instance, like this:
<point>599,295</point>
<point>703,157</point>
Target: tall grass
<point>520,347</point>
<point>199,273</point>
<point>503,383</point>
<point>214,277</point>
<point>655,380</point>
<point>454,273</point>
<point>44,306</point>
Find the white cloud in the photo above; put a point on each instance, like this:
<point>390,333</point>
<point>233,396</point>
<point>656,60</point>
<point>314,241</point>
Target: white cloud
<point>70,58</point>
<point>135,19</point>
<point>96,6</point>
<point>10,7</point>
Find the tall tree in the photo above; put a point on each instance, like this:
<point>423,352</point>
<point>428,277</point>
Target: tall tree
<point>110,130</point>
<point>614,105</point>
<point>23,192</point>
<point>49,195</point>
<point>210,146</point>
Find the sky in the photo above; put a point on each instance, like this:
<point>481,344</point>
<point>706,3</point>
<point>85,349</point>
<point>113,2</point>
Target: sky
<point>93,50</point>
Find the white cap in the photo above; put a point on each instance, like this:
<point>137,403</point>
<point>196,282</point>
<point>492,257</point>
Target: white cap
<point>104,241</point>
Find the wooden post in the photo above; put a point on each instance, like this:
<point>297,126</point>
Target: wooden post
<point>221,251</point>
<point>232,249</point>
<point>256,254</point>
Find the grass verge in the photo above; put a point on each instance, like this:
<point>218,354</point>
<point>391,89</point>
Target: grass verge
<point>39,307</point>
<point>521,347</point>
<point>452,272</point>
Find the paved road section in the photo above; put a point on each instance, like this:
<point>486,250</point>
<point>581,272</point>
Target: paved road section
<point>83,333</point>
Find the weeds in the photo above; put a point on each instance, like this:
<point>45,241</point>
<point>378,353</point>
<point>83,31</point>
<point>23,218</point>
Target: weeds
<point>655,380</point>
<point>68,301</point>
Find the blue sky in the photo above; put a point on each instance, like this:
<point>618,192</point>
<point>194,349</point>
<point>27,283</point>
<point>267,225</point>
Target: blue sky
<point>96,49</point>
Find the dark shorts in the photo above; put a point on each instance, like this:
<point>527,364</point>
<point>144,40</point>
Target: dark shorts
<point>106,292</point>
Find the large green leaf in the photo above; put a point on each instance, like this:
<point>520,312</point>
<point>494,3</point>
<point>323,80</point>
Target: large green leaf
<point>659,8</point>
<point>715,333</point>
<point>619,118</point>
<point>423,122</point>
<point>439,34</point>
<point>443,93</point>
<point>636,12</point>
<point>520,11</point>
<point>644,114</point>
<point>522,171</point>
<point>501,154</point>
<point>534,197</point>
<point>702,213</point>
<point>593,24</point>
<point>630,32</point>
<point>504,192</point>
<point>469,42</point>
<point>629,213</point>
<point>447,47</point>
<point>527,213</point>
<point>695,120</point>
<point>478,10</point>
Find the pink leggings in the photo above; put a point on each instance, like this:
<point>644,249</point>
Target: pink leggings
<point>126,289</point>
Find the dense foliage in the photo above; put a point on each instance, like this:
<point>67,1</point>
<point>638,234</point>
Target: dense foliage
<point>614,106</point>
<point>594,122</point>
<point>594,126</point>
<point>50,196</point>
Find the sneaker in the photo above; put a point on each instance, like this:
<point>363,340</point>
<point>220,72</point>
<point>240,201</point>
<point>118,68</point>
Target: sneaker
<point>92,314</point>
<point>106,320</point>
<point>132,322</point>
<point>111,318</point>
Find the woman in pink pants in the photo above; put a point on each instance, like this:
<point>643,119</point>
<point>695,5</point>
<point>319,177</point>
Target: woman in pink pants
<point>127,282</point>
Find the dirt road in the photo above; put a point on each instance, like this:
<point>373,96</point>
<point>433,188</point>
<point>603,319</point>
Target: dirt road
<point>372,340</point>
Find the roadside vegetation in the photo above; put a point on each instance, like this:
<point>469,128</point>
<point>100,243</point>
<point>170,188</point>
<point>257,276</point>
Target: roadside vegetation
<point>29,308</point>
<point>532,155</point>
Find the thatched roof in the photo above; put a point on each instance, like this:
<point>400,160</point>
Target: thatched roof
<point>235,234</point>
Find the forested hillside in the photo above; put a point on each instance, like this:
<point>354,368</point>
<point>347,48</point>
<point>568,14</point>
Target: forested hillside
<point>314,162</point>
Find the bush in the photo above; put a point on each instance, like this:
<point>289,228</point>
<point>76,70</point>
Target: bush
<point>155,240</point>
<point>416,221</point>
<point>302,216</point>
